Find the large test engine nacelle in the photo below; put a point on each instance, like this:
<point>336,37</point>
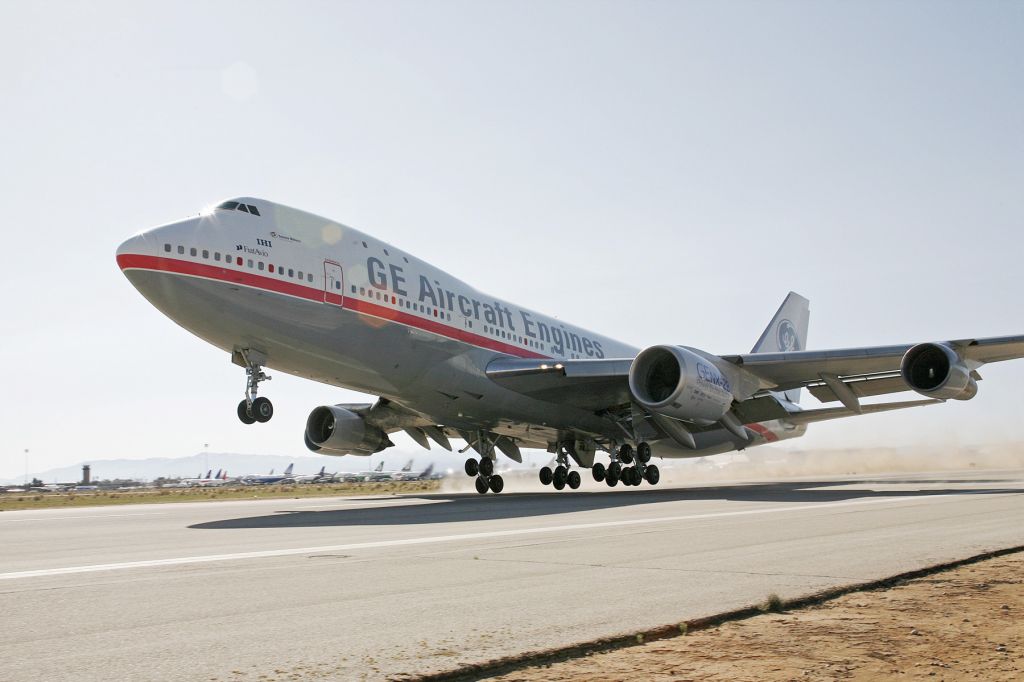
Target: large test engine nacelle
<point>676,382</point>
<point>335,430</point>
<point>937,371</point>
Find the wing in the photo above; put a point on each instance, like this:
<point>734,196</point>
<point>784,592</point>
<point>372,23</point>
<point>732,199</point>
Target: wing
<point>844,375</point>
<point>848,374</point>
<point>585,384</point>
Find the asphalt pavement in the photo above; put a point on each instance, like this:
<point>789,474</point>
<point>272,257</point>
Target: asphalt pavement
<point>372,588</point>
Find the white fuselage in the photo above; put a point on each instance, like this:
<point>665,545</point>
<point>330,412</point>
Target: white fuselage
<point>327,302</point>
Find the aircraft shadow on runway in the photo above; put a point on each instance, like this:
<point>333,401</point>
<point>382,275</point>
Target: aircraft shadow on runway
<point>449,508</point>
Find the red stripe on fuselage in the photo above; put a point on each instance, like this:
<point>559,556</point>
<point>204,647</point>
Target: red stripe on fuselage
<point>763,432</point>
<point>272,284</point>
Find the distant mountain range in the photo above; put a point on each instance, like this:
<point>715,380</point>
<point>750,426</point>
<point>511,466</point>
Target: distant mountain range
<point>236,465</point>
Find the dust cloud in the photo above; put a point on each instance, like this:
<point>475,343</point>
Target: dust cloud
<point>772,464</point>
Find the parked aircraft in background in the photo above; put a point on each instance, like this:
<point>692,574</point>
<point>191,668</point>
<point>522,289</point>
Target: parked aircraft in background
<point>268,479</point>
<point>201,480</point>
<point>379,474</point>
<point>425,475</point>
<point>321,477</point>
<point>277,287</point>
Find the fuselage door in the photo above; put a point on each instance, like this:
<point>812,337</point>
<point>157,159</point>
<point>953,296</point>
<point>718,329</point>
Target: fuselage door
<point>334,284</point>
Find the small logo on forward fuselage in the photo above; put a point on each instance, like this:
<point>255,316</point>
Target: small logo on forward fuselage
<point>252,251</point>
<point>787,338</point>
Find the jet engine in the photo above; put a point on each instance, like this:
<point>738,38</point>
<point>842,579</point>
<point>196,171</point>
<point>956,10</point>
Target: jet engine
<point>335,430</point>
<point>935,370</point>
<point>676,382</point>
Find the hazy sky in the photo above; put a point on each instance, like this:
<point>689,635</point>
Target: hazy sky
<point>663,172</point>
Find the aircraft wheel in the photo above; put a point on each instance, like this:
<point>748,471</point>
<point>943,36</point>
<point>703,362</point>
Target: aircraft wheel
<point>598,472</point>
<point>546,476</point>
<point>496,484</point>
<point>486,466</point>
<point>243,414</point>
<point>574,480</point>
<point>472,467</point>
<point>612,481</point>
<point>559,483</point>
<point>481,485</point>
<point>626,453</point>
<point>615,469</point>
<point>643,452</point>
<point>652,474</point>
<point>629,475</point>
<point>262,410</point>
<point>561,473</point>
<point>638,477</point>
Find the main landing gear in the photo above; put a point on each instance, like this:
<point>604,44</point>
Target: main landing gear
<point>629,475</point>
<point>486,479</point>
<point>254,409</point>
<point>561,476</point>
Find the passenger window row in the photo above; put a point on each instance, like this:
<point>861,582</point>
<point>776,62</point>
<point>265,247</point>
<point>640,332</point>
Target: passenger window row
<point>521,340</point>
<point>250,263</point>
<point>405,303</point>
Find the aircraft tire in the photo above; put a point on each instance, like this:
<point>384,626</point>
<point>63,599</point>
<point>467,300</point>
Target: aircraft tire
<point>598,471</point>
<point>558,483</point>
<point>643,452</point>
<point>481,485</point>
<point>615,469</point>
<point>561,474</point>
<point>626,453</point>
<point>262,410</point>
<point>243,414</point>
<point>486,466</point>
<point>573,480</point>
<point>612,481</point>
<point>546,476</point>
<point>496,483</point>
<point>472,467</point>
<point>652,474</point>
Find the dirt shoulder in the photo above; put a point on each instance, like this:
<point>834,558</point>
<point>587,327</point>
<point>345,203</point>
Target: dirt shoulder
<point>963,623</point>
<point>97,498</point>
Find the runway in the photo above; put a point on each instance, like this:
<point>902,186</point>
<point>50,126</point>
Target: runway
<point>370,588</point>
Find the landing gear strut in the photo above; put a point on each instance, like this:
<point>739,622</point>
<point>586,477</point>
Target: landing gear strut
<point>253,409</point>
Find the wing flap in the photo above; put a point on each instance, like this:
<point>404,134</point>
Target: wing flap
<point>827,413</point>
<point>586,384</point>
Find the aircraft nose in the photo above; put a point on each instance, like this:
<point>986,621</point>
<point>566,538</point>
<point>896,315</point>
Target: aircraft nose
<point>131,248</point>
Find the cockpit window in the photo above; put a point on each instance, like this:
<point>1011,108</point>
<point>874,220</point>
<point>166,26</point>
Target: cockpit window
<point>236,206</point>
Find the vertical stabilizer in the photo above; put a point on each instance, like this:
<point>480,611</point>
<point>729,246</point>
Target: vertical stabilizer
<point>787,332</point>
<point>288,471</point>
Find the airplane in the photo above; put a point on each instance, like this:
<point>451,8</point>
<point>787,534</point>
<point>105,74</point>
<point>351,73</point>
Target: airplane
<point>199,479</point>
<point>320,477</point>
<point>425,475</point>
<point>269,479</point>
<point>378,475</point>
<point>275,287</point>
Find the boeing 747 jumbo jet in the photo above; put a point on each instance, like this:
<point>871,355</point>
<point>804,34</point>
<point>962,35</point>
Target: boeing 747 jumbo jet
<point>280,288</point>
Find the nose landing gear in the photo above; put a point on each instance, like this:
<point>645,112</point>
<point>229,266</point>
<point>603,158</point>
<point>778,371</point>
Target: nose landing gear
<point>253,409</point>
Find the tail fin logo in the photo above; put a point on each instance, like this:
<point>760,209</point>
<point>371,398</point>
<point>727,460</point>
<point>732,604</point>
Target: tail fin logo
<point>787,338</point>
